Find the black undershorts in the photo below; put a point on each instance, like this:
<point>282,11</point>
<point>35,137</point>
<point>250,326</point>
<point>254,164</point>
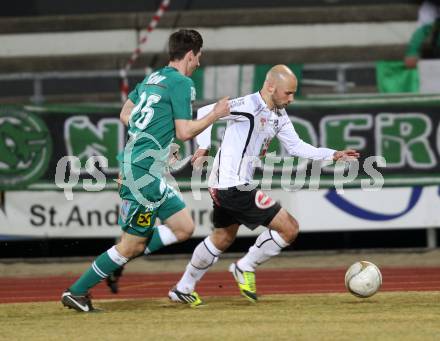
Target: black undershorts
<point>250,208</point>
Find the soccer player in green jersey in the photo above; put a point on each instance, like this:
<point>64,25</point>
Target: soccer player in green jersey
<point>157,111</point>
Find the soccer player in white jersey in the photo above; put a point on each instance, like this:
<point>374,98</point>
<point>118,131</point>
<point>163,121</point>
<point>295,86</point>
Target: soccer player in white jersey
<point>255,119</point>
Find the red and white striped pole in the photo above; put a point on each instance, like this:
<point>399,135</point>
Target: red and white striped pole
<point>137,51</point>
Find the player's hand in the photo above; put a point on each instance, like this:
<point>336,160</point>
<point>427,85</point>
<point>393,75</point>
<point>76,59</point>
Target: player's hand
<point>222,108</point>
<point>411,62</point>
<point>174,154</point>
<point>346,155</point>
<point>198,158</point>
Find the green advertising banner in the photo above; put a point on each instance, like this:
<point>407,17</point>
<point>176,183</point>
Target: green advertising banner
<point>405,131</point>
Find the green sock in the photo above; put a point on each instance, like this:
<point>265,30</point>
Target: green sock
<point>162,236</point>
<point>103,266</point>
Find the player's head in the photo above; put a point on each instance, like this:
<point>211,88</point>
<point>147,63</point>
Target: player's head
<point>281,85</point>
<point>186,45</point>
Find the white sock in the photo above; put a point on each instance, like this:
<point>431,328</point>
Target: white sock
<point>167,237</point>
<point>204,256</point>
<point>267,245</point>
<point>116,257</point>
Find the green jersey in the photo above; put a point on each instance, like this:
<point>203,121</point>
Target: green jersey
<point>425,41</point>
<point>161,98</point>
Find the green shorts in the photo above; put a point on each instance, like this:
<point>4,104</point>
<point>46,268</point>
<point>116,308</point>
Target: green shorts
<point>136,219</point>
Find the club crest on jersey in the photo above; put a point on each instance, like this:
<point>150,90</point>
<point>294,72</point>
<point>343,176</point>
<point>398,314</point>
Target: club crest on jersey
<point>263,201</point>
<point>263,122</point>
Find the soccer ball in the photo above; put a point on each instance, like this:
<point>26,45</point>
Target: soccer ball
<point>363,279</point>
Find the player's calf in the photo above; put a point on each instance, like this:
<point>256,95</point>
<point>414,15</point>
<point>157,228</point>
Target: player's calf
<point>286,225</point>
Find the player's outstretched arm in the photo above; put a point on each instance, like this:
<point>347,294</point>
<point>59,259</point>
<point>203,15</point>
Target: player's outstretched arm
<point>187,129</point>
<point>126,110</point>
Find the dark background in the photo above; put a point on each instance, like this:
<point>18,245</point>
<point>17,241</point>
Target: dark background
<point>390,239</point>
<point>56,7</point>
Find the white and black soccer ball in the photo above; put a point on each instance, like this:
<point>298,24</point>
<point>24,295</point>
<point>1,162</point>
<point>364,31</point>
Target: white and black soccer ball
<point>363,279</point>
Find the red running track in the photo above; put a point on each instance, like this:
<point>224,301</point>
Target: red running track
<point>289,281</point>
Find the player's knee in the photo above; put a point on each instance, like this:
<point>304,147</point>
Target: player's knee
<point>132,250</point>
<point>221,239</point>
<point>228,240</point>
<point>185,232</point>
<point>224,242</point>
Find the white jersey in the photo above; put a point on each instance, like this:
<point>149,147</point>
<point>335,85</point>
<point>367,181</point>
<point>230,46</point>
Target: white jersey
<point>250,128</point>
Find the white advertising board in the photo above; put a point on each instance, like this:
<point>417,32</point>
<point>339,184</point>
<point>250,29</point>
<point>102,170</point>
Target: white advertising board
<point>94,214</point>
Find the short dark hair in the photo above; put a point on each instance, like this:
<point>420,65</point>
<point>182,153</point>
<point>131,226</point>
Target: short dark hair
<point>183,41</point>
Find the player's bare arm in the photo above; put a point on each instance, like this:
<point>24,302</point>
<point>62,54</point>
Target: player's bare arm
<point>126,110</point>
<point>187,129</point>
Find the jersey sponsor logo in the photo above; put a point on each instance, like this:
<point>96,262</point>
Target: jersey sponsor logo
<point>144,219</point>
<point>274,122</point>
<point>263,201</point>
<point>25,148</point>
